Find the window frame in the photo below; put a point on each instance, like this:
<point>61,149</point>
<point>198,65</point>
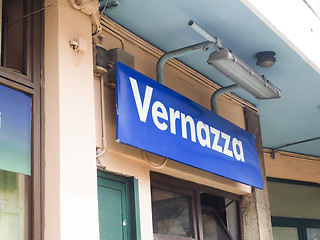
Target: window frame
<point>300,223</point>
<point>294,182</point>
<point>169,183</point>
<point>193,218</point>
<point>30,34</point>
<point>309,223</point>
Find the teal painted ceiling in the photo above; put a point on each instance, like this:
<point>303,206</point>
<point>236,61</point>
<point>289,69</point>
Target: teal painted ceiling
<point>292,118</point>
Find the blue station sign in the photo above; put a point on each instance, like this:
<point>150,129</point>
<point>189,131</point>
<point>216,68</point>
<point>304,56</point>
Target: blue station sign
<point>157,119</point>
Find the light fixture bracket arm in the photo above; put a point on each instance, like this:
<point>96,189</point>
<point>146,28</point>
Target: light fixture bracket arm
<point>178,53</point>
<point>218,92</point>
<point>206,35</point>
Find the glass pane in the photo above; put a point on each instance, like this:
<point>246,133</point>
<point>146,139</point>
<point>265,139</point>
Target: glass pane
<point>13,50</point>
<point>13,206</point>
<point>15,131</point>
<point>313,233</point>
<point>285,233</point>
<point>292,200</point>
<point>171,213</point>
<point>232,218</point>
<point>211,229</point>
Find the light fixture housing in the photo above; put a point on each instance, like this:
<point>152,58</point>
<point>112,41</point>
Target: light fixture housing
<point>243,75</point>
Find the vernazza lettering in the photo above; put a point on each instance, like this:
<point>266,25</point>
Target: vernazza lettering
<point>166,118</point>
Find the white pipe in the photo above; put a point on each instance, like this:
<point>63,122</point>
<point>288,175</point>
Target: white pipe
<point>90,8</point>
<point>102,112</point>
<point>205,34</point>
<point>103,127</point>
<point>101,153</point>
<point>96,19</point>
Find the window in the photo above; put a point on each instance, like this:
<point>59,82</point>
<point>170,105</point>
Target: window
<point>20,180</point>
<point>15,37</point>
<point>172,213</point>
<point>14,206</point>
<point>185,210</point>
<point>295,209</point>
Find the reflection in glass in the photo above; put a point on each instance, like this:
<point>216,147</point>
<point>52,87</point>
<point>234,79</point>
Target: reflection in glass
<point>294,200</point>
<point>211,229</point>
<point>13,36</point>
<point>13,206</point>
<point>313,233</point>
<point>171,213</point>
<point>285,233</point>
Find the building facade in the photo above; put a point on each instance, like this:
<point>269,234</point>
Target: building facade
<point>79,182</point>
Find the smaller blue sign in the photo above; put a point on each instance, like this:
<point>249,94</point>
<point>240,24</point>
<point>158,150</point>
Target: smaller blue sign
<point>157,119</point>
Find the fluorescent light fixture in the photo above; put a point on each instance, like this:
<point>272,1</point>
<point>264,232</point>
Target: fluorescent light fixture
<point>243,75</point>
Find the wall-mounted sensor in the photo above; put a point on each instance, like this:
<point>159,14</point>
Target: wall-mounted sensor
<point>80,44</point>
<point>74,44</point>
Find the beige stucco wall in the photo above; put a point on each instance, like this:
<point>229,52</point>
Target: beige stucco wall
<point>71,206</point>
<point>292,166</point>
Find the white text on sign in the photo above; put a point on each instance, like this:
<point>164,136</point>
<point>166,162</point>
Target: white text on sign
<point>162,119</point>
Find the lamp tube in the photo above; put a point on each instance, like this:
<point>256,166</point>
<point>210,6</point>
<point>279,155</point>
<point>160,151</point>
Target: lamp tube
<point>243,75</point>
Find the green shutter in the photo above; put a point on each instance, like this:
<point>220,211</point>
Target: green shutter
<point>118,207</point>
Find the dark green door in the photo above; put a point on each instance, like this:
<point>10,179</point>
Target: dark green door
<point>113,207</point>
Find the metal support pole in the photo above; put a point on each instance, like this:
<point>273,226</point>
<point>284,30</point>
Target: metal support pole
<point>178,53</point>
<point>218,92</point>
<point>291,144</point>
<point>217,42</point>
